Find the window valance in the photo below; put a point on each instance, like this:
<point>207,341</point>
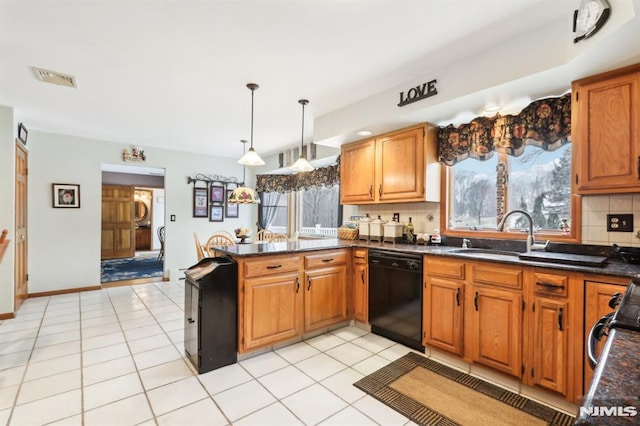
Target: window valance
<point>322,176</point>
<point>545,123</point>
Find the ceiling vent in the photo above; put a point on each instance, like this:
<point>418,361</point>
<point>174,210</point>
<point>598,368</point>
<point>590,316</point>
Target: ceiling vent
<point>54,77</point>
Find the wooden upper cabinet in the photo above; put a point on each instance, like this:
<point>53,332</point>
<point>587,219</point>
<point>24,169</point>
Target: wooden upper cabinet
<point>357,165</point>
<point>605,125</point>
<point>393,167</point>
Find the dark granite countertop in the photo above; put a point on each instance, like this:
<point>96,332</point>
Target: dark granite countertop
<point>612,267</point>
<point>616,382</point>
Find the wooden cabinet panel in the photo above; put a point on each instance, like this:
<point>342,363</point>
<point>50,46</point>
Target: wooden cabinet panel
<point>443,314</point>
<point>605,126</point>
<point>391,168</point>
<point>143,239</point>
<point>271,265</point>
<point>326,258</point>
<point>501,276</point>
<point>360,282</point>
<point>357,169</point>
<point>400,166</point>
<point>550,284</point>
<point>272,309</point>
<point>497,329</point>
<point>325,299</point>
<point>550,355</point>
<point>442,267</point>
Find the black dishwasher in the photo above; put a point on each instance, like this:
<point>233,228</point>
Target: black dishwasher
<point>211,313</point>
<point>395,297</point>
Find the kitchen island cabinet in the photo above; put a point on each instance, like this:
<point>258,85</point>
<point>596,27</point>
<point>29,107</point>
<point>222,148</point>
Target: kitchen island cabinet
<point>360,285</point>
<point>325,298</point>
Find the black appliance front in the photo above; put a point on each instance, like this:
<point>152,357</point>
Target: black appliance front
<point>210,311</point>
<point>395,297</point>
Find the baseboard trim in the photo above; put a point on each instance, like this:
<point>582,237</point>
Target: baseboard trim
<point>65,291</point>
<point>133,282</point>
<point>8,315</point>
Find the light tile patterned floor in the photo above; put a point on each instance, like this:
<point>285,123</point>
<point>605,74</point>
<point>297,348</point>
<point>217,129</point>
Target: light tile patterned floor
<point>116,357</point>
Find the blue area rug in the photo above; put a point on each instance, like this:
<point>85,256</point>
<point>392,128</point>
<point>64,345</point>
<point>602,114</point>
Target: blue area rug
<point>130,269</point>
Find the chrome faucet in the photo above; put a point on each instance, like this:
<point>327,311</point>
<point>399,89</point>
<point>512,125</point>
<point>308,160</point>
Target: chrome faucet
<point>531,242</point>
<point>466,243</point>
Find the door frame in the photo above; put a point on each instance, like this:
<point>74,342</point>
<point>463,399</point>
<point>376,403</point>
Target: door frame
<point>20,263</point>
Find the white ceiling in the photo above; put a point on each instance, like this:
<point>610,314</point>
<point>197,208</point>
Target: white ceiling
<point>173,74</point>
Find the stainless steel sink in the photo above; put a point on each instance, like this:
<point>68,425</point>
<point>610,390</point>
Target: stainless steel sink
<point>485,251</point>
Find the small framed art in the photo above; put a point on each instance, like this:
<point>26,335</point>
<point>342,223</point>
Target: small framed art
<point>22,133</point>
<point>66,195</point>
<point>231,208</point>
<point>216,214</point>
<point>200,202</point>
<point>217,194</point>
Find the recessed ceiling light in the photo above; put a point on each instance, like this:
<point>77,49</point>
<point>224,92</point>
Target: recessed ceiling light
<point>364,133</point>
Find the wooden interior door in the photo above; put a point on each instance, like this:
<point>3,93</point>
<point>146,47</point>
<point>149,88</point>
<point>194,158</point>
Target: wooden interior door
<point>118,222</point>
<point>21,274</point>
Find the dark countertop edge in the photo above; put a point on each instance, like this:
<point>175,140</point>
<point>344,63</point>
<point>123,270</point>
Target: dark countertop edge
<point>612,268</point>
<point>615,379</point>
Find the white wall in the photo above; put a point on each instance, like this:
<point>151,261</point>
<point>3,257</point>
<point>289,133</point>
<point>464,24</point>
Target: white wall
<point>158,218</point>
<point>64,244</point>
<point>7,203</point>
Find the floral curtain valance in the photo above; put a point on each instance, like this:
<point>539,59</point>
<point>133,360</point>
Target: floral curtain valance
<point>323,176</point>
<point>545,123</point>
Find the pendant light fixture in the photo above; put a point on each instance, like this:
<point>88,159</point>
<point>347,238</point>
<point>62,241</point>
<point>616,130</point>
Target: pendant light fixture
<point>302,165</point>
<point>243,194</point>
<point>251,158</point>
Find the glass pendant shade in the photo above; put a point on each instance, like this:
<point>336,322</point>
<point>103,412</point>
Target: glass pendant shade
<point>301,164</point>
<point>251,158</point>
<point>244,195</point>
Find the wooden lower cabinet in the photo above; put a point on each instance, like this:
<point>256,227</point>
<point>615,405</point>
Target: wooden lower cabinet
<point>496,326</point>
<point>598,293</point>
<point>325,299</point>
<point>442,322</point>
<point>549,345</point>
<point>360,285</point>
<point>273,309</point>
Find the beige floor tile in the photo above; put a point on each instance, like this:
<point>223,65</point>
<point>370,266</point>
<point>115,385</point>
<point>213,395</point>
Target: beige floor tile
<point>108,370</point>
<point>203,412</point>
<point>314,404</point>
<point>48,410</point>
<point>129,411</point>
<point>163,374</point>
<point>103,393</point>
<point>235,405</point>
<point>176,395</point>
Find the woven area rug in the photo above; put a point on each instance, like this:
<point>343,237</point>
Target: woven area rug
<point>130,268</point>
<point>430,393</point>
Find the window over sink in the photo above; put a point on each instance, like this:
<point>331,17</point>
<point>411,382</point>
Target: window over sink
<point>538,181</point>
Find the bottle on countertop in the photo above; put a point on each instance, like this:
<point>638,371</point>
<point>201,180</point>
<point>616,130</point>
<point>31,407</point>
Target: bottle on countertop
<point>411,236</point>
<point>435,238</point>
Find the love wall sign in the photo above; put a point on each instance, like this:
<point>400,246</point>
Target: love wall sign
<point>417,93</point>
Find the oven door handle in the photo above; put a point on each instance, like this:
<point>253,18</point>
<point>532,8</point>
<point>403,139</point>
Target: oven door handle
<point>595,335</point>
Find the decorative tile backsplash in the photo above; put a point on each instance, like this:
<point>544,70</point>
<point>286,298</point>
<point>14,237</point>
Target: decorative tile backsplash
<point>594,217</point>
<point>595,209</point>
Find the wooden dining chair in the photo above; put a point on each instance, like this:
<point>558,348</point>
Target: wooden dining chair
<point>225,233</point>
<point>199,249</point>
<point>217,240</point>
<point>278,238</point>
<point>264,235</point>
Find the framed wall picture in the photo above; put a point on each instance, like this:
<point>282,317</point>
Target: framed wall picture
<point>22,133</point>
<point>217,194</point>
<point>66,195</point>
<point>216,214</point>
<point>200,203</point>
<point>231,208</point>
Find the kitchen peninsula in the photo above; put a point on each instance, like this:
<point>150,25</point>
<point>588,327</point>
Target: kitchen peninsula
<point>290,290</point>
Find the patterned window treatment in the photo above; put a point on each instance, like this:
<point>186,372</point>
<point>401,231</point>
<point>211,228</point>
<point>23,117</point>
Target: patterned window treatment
<point>545,123</point>
<point>323,176</point>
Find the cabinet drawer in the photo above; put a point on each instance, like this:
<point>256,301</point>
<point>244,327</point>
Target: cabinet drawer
<point>497,276</point>
<point>325,258</point>
<point>360,255</point>
<point>271,265</point>
<point>444,267</point>
<point>550,283</point>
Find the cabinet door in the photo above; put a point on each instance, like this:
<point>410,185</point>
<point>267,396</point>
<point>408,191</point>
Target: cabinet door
<point>443,304</point>
<point>400,166</point>
<point>325,300</point>
<point>549,368</point>
<point>497,329</point>
<point>272,309</point>
<point>192,322</point>
<point>605,123</point>
<point>360,291</point>
<point>357,171</point>
<point>597,297</point>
